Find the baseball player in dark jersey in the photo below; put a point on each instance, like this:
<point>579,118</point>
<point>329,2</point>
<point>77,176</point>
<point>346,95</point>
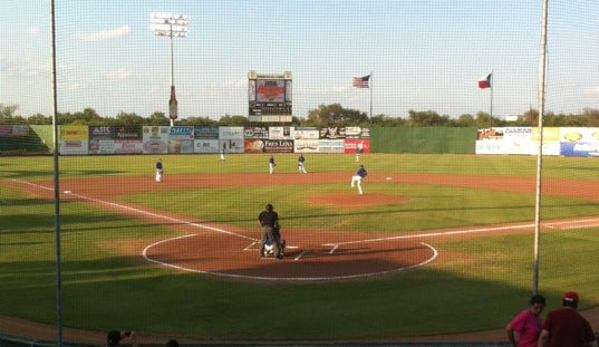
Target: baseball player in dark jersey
<point>358,177</point>
<point>271,164</point>
<point>300,164</point>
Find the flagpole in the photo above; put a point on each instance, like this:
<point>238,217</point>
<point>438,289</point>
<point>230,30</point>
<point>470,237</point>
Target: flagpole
<point>370,86</point>
<point>492,83</point>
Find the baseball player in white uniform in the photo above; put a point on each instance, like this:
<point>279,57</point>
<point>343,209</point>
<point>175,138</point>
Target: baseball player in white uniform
<point>159,170</point>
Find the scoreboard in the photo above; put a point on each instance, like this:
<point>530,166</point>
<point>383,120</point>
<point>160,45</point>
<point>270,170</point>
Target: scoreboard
<point>269,97</point>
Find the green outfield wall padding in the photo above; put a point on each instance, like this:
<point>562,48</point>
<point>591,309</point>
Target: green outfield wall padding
<point>44,132</point>
<point>423,140</point>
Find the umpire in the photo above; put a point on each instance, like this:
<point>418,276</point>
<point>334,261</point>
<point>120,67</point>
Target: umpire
<point>268,219</point>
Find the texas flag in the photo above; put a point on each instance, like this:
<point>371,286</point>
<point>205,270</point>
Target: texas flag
<point>485,81</point>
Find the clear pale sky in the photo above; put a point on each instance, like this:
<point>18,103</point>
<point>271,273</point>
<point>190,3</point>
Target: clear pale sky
<point>423,55</point>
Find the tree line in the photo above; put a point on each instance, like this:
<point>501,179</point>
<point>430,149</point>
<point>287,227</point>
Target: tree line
<point>323,116</point>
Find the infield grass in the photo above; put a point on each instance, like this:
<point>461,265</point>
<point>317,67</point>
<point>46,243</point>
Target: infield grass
<point>479,284</point>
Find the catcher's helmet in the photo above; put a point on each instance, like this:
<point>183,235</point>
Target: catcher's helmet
<point>268,207</point>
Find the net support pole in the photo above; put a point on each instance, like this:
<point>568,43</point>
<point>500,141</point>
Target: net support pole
<point>541,100</point>
<point>56,176</point>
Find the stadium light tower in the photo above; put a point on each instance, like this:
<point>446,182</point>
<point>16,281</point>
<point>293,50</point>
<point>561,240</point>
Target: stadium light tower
<point>171,26</point>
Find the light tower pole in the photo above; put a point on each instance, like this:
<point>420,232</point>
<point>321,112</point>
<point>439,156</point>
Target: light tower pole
<point>170,25</point>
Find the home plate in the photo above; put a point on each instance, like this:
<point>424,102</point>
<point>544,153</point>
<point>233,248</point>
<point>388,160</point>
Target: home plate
<point>67,192</point>
<point>388,178</point>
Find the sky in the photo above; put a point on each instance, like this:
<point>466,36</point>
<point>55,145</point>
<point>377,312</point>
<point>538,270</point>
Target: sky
<point>421,54</point>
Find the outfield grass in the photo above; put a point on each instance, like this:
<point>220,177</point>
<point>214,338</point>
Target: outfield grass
<point>480,284</point>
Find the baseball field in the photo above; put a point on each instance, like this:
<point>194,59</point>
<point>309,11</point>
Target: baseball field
<point>437,245</point>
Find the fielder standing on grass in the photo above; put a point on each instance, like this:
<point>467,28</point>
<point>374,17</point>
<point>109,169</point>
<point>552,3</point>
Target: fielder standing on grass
<point>222,152</point>
<point>159,170</point>
<point>300,164</point>
<point>358,177</point>
<point>271,164</point>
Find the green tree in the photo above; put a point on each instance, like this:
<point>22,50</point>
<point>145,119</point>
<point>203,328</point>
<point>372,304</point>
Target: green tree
<point>200,121</point>
<point>157,118</point>
<point>427,118</point>
<point>228,120</point>
<point>39,119</point>
<point>335,115</point>
<point>8,113</point>
<point>128,119</point>
<point>465,120</point>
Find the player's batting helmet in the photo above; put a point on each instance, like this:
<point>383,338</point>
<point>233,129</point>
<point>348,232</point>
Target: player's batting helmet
<point>268,207</point>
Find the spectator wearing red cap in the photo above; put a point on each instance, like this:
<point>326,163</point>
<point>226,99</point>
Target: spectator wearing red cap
<point>527,325</point>
<point>565,327</point>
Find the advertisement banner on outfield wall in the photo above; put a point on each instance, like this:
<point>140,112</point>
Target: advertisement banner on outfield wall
<point>180,140</point>
<point>129,140</point>
<point>280,133</point>
<point>206,146</point>
<point>332,133</point>
<point>306,146</point>
<point>250,132</point>
<point>352,146</point>
<point>230,133</point>
<point>155,139</point>
<point>571,141</point>
<point>101,140</point>
<point>579,142</point>
<point>551,144</point>
<point>14,130</point>
<point>331,146</point>
<point>231,146</point>
<point>253,146</point>
<point>202,132</point>
<point>357,132</point>
<point>128,146</point>
<point>306,133</point>
<point>74,139</point>
<point>518,140</point>
<point>489,141</point>
<point>278,146</point>
<point>505,140</point>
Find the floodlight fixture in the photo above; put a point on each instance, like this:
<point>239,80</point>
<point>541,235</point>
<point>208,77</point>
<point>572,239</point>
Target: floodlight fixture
<point>171,26</point>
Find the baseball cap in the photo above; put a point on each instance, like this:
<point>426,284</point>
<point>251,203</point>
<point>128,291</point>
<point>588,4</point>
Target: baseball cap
<point>570,296</point>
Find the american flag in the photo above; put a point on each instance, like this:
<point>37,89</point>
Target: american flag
<point>361,82</point>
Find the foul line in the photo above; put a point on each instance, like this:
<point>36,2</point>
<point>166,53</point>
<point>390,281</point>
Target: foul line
<point>586,223</point>
<point>143,212</point>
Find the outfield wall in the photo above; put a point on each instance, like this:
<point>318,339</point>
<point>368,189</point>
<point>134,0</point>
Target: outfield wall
<point>104,140</point>
<point>423,140</point>
<point>566,141</point>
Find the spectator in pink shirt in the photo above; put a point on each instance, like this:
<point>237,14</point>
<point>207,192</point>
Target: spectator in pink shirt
<point>527,325</point>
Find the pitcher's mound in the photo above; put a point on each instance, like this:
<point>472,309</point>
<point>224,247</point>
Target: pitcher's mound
<point>355,200</point>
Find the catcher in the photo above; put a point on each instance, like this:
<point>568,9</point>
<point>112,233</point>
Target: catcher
<point>276,233</point>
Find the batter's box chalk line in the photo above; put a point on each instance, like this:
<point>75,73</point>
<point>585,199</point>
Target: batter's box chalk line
<point>255,246</point>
